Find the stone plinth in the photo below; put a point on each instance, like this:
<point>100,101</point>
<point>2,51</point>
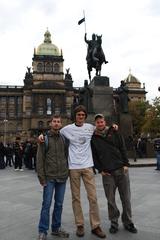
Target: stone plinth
<point>102,96</point>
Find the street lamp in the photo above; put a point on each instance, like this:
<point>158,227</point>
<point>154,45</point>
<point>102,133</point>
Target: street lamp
<point>5,130</point>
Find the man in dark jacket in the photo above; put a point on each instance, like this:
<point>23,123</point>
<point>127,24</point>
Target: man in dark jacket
<point>52,171</point>
<point>109,155</point>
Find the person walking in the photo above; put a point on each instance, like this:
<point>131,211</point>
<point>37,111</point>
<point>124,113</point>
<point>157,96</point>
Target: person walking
<point>18,151</point>
<point>52,171</point>
<point>109,155</point>
<point>9,155</point>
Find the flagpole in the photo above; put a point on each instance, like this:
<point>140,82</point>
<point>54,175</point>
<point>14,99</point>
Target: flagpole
<point>84,22</point>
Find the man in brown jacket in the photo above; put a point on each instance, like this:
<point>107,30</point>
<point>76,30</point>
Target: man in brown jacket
<point>52,171</point>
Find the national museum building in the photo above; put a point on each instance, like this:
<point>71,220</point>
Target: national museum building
<point>26,110</point>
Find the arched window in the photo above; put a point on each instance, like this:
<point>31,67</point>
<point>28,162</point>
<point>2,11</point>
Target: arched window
<point>56,68</point>
<point>48,67</point>
<point>40,124</point>
<point>40,67</point>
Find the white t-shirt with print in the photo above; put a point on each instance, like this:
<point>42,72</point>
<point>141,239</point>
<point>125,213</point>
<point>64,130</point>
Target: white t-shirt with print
<point>80,154</point>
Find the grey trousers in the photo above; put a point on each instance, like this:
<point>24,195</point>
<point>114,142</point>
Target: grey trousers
<point>118,179</point>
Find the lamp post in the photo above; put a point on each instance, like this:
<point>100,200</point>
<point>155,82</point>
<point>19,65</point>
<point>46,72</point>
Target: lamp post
<point>5,130</point>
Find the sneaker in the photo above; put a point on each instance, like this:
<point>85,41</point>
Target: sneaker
<point>98,232</point>
<point>21,170</point>
<point>60,233</point>
<point>113,229</point>
<point>16,169</point>
<point>80,231</point>
<point>131,228</point>
<point>42,236</point>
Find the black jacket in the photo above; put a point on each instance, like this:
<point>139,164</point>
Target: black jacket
<point>109,152</point>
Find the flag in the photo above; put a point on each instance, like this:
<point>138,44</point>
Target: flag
<point>81,21</point>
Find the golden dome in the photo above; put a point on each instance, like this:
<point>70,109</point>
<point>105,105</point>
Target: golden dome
<point>47,48</point>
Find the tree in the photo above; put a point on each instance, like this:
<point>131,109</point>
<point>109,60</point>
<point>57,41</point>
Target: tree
<point>137,110</point>
<point>152,119</point>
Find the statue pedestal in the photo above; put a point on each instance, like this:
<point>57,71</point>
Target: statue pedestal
<point>125,123</point>
<point>102,96</point>
<point>126,129</point>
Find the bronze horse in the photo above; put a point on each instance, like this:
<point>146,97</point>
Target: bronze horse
<point>97,58</point>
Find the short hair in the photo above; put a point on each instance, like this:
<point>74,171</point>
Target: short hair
<point>98,115</point>
<point>80,108</point>
<point>55,116</point>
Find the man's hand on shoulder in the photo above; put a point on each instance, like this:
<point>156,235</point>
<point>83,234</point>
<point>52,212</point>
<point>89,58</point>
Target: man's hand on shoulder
<point>115,126</point>
<point>41,138</point>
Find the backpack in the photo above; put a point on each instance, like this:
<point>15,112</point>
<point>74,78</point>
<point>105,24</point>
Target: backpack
<point>65,141</point>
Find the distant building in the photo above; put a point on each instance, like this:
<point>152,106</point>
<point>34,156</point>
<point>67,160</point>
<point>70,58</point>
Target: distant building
<point>136,91</point>
<point>26,110</point>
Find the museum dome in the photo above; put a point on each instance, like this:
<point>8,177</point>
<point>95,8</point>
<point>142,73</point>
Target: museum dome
<point>131,78</point>
<point>47,48</point>
<point>132,81</point>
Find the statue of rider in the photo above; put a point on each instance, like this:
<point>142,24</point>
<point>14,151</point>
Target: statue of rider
<point>91,45</point>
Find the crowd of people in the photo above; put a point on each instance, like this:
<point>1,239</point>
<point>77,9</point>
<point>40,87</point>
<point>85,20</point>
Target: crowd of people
<point>18,154</point>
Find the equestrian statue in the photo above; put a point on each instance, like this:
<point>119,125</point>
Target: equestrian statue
<point>95,55</point>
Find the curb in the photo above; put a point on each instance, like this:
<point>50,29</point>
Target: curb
<point>143,165</point>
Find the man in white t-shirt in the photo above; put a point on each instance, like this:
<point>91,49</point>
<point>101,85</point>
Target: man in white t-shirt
<point>81,167</point>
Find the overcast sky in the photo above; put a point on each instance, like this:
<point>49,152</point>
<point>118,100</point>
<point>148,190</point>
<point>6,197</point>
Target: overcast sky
<point>130,33</point>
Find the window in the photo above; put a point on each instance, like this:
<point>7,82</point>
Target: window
<point>11,113</point>
<point>40,111</point>
<point>11,100</point>
<point>2,113</point>
<point>56,68</point>
<point>49,106</point>
<point>40,67</point>
<point>48,123</point>
<point>40,124</point>
<point>48,67</point>
<point>3,100</point>
<point>19,100</point>
<point>28,112</point>
<point>57,110</point>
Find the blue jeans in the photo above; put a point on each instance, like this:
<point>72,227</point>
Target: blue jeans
<point>158,160</point>
<point>59,188</point>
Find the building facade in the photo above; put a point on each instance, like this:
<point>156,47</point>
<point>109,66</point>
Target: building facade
<point>136,91</point>
<point>26,110</point>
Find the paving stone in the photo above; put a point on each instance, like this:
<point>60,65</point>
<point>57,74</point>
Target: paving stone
<point>21,196</point>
